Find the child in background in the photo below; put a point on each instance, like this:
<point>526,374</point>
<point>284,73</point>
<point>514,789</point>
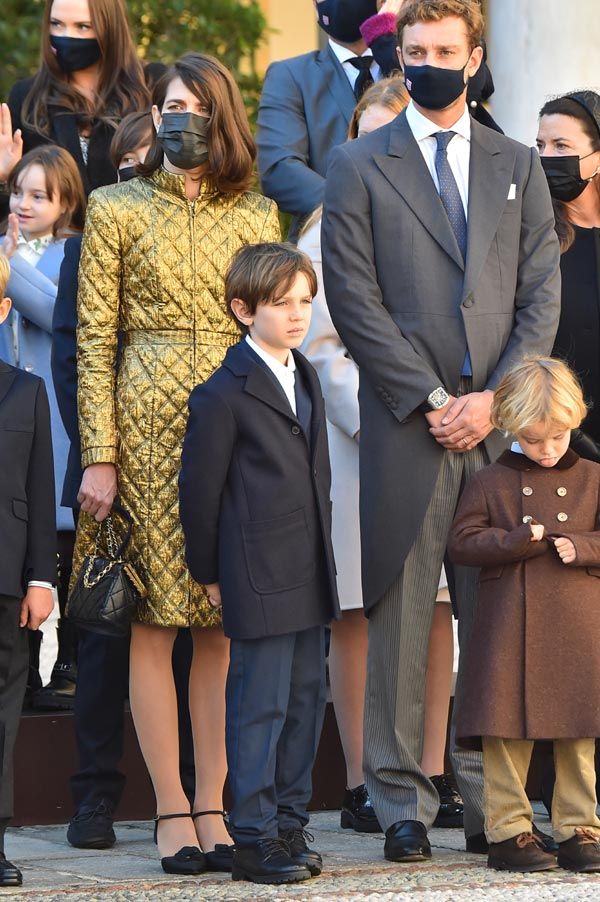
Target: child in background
<point>47,204</point>
<point>27,549</point>
<point>531,521</point>
<point>131,143</point>
<point>255,510</point>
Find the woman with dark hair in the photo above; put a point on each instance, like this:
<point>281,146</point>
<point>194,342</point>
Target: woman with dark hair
<point>89,78</point>
<point>569,143</point>
<point>154,255</point>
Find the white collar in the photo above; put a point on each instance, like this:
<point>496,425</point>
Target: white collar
<point>343,54</point>
<point>281,370</point>
<point>422,127</point>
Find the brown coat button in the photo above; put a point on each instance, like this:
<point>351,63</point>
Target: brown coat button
<point>527,490</point>
<point>561,491</point>
<point>562,517</point>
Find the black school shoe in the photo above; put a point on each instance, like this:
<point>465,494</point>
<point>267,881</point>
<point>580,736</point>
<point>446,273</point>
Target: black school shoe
<point>92,828</point>
<point>523,853</point>
<point>451,808</point>
<point>581,853</point>
<point>10,875</point>
<point>267,861</point>
<point>297,840</point>
<point>358,813</point>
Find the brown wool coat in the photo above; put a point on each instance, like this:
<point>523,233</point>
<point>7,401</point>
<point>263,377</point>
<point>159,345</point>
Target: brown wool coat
<point>533,664</point>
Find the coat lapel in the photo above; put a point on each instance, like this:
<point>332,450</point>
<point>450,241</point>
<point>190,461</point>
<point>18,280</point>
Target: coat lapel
<point>407,172</point>
<point>334,77</point>
<point>7,377</point>
<point>491,171</point>
<point>311,381</point>
<point>242,361</point>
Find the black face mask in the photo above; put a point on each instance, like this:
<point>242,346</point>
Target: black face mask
<point>73,54</point>
<point>126,173</point>
<point>341,19</point>
<point>432,87</point>
<point>183,138</point>
<point>564,176</point>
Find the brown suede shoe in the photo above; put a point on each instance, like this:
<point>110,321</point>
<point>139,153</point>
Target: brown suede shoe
<point>523,853</point>
<point>580,853</point>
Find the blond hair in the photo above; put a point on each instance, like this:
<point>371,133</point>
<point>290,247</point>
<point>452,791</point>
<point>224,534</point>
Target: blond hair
<point>434,10</point>
<point>4,274</point>
<point>540,389</point>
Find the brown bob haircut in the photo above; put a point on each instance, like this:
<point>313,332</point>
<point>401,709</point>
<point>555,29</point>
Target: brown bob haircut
<point>135,130</point>
<point>231,148</point>
<point>121,87</point>
<point>62,177</point>
<point>389,92</point>
<point>434,10</point>
<point>262,273</point>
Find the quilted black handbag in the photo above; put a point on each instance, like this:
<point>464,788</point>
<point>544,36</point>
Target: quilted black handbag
<point>108,587</point>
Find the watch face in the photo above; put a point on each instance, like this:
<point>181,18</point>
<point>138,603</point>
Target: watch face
<point>438,398</point>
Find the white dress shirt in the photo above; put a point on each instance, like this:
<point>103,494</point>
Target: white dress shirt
<point>283,372</point>
<point>343,55</point>
<point>459,148</point>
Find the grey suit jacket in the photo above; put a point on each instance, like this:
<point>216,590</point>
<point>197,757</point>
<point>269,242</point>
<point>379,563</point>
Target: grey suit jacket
<point>305,109</point>
<point>406,306</point>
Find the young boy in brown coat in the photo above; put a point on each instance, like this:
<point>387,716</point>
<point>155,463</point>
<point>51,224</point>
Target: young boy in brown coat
<point>531,521</point>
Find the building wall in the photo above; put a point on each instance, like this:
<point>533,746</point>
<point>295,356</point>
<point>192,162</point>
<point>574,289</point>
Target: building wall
<point>293,30</point>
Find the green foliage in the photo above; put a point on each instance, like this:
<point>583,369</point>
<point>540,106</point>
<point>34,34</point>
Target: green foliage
<point>231,30</point>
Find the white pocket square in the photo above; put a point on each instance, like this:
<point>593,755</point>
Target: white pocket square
<point>512,192</point>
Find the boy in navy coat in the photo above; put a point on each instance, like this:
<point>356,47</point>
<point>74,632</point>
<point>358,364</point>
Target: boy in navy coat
<point>255,509</point>
<point>27,550</point>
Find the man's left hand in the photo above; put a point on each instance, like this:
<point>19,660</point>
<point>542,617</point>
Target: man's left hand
<point>466,423</point>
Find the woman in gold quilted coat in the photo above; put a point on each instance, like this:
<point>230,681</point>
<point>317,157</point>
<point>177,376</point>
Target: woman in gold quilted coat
<point>155,252</point>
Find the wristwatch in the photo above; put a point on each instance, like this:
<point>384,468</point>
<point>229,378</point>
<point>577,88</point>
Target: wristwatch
<point>438,398</point>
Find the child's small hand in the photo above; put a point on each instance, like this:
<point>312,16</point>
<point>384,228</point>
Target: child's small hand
<point>11,238</point>
<point>537,532</point>
<point>566,550</point>
<point>214,594</point>
<point>36,607</point>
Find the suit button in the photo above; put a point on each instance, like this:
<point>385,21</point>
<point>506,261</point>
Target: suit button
<point>562,517</point>
<point>295,430</point>
<point>561,491</point>
<point>527,490</point>
<point>315,471</point>
<point>527,518</point>
<point>469,300</point>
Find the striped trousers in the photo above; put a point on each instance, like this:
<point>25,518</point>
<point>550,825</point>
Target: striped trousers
<point>399,628</point>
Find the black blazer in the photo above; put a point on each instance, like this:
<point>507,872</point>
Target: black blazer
<point>64,365</point>
<point>254,500</point>
<point>27,510</point>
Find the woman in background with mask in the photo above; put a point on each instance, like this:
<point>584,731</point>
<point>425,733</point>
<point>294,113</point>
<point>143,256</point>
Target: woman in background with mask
<point>569,144</point>
<point>154,255</point>
<point>89,78</point>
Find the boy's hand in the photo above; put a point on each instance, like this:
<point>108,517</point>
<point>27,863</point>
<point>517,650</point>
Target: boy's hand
<point>11,146</point>
<point>537,532</point>
<point>98,490</point>
<point>566,550</point>
<point>214,594</point>
<point>36,607</point>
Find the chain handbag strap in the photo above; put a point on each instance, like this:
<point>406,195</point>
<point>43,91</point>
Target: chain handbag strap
<point>115,550</point>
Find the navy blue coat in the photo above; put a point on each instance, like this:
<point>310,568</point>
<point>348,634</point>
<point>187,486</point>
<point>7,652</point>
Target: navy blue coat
<point>254,500</point>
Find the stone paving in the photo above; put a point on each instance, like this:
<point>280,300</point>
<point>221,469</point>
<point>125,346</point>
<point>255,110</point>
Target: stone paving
<point>354,870</point>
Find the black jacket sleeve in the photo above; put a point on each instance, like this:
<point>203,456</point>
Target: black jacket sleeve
<point>40,559</point>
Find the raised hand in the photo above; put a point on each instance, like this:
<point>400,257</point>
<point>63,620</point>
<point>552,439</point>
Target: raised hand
<point>11,146</point>
<point>10,241</point>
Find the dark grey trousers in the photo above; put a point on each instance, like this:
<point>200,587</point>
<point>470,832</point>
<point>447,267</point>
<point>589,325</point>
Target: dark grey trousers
<point>399,628</point>
<point>14,662</point>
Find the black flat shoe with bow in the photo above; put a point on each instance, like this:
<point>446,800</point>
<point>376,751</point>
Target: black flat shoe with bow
<point>189,860</point>
<point>221,857</point>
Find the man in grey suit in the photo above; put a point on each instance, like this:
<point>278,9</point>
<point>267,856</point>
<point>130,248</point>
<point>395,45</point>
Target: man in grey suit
<point>441,270</point>
<point>306,106</point>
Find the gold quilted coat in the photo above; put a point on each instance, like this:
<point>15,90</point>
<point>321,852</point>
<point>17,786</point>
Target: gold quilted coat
<point>152,268</point>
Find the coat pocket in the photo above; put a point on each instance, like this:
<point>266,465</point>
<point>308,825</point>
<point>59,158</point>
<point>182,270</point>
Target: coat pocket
<point>491,573</point>
<point>20,509</point>
<point>593,571</point>
<point>279,553</point>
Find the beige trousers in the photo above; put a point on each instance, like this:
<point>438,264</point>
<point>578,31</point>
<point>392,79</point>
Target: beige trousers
<point>507,808</point>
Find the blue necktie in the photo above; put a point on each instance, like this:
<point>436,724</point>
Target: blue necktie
<point>453,205</point>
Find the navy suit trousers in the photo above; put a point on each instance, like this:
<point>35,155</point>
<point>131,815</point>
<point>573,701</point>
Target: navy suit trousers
<point>275,709</point>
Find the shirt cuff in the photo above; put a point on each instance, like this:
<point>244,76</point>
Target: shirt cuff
<point>39,584</point>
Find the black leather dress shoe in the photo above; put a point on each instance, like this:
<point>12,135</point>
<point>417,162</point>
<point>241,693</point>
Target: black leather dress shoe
<point>358,813</point>
<point>92,828</point>
<point>407,841</point>
<point>478,844</point>
<point>59,693</point>
<point>297,841</point>
<point>451,808</point>
<point>10,875</point>
<point>267,861</point>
